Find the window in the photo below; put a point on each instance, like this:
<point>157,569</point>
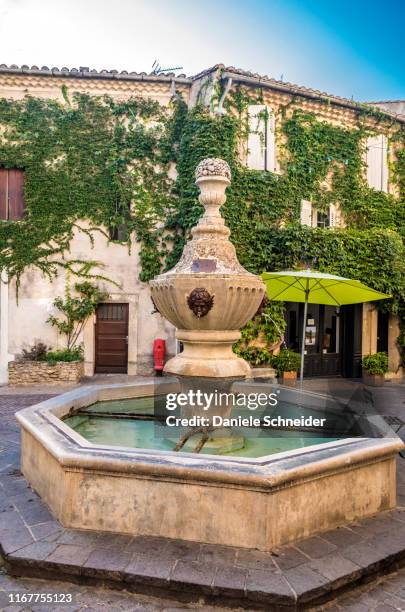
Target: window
<point>322,219</point>
<point>317,218</point>
<point>261,139</point>
<point>377,162</point>
<point>12,203</point>
<point>119,232</point>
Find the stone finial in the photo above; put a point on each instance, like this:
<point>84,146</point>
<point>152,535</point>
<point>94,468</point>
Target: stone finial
<point>213,166</point>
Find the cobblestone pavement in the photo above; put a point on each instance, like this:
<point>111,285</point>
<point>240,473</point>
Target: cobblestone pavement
<point>384,595</point>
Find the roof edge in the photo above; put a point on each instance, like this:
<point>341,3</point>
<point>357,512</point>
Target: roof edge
<point>265,81</point>
<point>236,74</point>
<point>86,73</point>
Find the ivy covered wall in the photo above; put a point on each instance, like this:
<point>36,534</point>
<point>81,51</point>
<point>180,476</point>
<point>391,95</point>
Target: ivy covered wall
<point>86,159</point>
<point>110,162</point>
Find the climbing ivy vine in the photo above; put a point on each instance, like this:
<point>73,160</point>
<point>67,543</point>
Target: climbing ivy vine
<point>87,159</point>
<point>109,163</point>
<point>263,208</point>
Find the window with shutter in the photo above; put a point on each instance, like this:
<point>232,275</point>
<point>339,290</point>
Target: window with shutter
<point>261,140</point>
<point>12,203</point>
<point>377,162</point>
<point>306,213</point>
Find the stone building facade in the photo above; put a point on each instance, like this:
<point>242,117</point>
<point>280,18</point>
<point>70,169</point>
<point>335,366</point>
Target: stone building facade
<point>24,320</point>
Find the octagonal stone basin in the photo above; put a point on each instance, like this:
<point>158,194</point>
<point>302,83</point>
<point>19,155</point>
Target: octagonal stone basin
<point>255,502</point>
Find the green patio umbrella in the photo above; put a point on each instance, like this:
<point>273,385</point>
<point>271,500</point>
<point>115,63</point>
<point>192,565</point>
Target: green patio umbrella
<point>313,287</point>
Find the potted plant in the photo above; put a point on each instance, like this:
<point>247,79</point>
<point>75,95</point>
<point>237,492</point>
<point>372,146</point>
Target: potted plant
<point>374,369</point>
<point>286,364</point>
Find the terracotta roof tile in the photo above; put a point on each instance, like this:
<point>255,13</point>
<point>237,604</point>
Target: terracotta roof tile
<point>231,71</point>
<point>291,88</point>
<point>84,72</point>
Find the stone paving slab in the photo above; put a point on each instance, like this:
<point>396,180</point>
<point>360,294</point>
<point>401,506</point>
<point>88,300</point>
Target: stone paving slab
<point>33,543</point>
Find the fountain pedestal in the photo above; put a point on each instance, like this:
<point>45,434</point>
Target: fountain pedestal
<point>208,354</point>
<point>208,295</point>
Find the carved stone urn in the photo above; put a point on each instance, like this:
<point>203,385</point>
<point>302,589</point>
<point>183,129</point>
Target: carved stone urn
<point>208,295</point>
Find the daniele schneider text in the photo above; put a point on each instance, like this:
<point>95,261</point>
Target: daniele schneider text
<point>209,402</point>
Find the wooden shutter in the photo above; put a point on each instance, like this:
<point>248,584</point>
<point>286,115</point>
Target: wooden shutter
<point>384,162</point>
<point>270,142</point>
<point>261,139</point>
<point>12,203</point>
<point>16,203</point>
<point>306,213</point>
<point>332,215</point>
<point>377,162</point>
<point>3,194</point>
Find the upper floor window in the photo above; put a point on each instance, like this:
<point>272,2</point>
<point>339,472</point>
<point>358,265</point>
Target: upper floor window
<point>261,144</point>
<point>119,232</point>
<point>377,162</point>
<point>312,217</point>
<point>12,203</point>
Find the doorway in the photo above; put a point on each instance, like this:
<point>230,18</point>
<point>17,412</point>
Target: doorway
<point>323,338</point>
<point>352,327</point>
<point>382,331</point>
<point>111,338</point>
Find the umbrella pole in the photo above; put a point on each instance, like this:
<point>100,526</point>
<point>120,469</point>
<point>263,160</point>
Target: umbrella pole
<point>303,334</point>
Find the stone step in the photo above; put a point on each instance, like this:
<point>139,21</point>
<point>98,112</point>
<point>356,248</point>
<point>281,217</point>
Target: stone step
<point>304,573</point>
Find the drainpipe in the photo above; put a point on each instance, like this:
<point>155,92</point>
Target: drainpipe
<point>220,110</point>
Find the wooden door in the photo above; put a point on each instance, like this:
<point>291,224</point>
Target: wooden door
<point>111,338</point>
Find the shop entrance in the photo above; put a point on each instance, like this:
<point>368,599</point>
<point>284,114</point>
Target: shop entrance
<point>332,338</point>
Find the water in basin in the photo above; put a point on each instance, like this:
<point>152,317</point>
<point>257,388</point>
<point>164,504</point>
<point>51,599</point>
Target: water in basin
<point>132,423</point>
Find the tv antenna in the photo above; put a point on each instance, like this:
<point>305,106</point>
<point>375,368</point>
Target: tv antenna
<point>157,69</point>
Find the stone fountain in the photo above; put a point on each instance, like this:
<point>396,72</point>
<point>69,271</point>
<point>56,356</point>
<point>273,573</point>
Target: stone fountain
<point>208,295</point>
<point>254,501</point>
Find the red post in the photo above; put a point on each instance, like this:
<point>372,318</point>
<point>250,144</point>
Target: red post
<point>159,351</point>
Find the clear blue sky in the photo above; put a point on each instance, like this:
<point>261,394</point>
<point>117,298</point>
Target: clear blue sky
<point>347,48</point>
